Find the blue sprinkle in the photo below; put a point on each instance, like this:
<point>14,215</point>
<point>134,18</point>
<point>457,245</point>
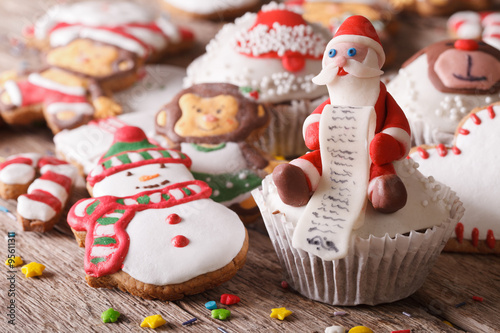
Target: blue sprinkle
<point>460,304</point>
<point>407,314</point>
<point>221,329</point>
<point>3,209</point>
<point>211,305</point>
<point>189,322</point>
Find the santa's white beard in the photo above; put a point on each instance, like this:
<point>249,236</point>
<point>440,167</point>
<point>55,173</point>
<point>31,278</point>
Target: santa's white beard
<point>353,91</point>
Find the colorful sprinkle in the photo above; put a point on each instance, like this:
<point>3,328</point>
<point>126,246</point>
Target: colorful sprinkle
<point>221,329</point>
<point>14,262</point>
<point>284,285</point>
<point>211,305</point>
<point>32,269</point>
<point>460,304</point>
<point>406,314</point>
<point>229,299</point>
<point>7,212</point>
<point>340,313</point>
<point>423,153</point>
<point>456,150</point>
<point>448,323</point>
<point>402,331</point>
<point>360,329</point>
<point>442,151</point>
<point>280,313</point>
<point>477,298</point>
<point>475,237</point>
<point>335,329</point>
<point>173,219</point>
<point>221,314</point>
<point>153,321</point>
<point>110,316</point>
<point>490,239</point>
<point>189,322</point>
<point>475,119</point>
<point>463,131</point>
<point>180,241</point>
<point>491,112</point>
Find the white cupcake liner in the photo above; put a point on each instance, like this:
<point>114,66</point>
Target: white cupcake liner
<point>376,270</point>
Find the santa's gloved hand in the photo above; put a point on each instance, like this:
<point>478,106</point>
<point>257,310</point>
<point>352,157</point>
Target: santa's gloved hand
<point>385,149</point>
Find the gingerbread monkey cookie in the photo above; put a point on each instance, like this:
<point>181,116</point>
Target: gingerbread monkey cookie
<point>151,228</point>
<point>73,89</point>
<point>127,25</point>
<point>476,144</point>
<point>40,201</point>
<point>214,123</point>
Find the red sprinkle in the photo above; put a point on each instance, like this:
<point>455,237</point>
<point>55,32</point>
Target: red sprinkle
<point>477,298</point>
<point>442,151</point>
<point>459,231</point>
<point>463,131</point>
<point>475,119</point>
<point>254,94</point>
<point>423,153</point>
<point>401,331</point>
<point>284,284</point>
<point>456,151</point>
<point>180,241</point>
<point>173,219</point>
<point>490,239</point>
<point>475,237</point>
<point>491,112</point>
<point>466,44</point>
<point>229,299</point>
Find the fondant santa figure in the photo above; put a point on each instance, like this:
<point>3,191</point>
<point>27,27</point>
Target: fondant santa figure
<point>351,72</point>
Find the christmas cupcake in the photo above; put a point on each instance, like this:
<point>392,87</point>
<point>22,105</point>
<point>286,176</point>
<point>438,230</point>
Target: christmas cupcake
<point>440,84</point>
<point>353,222</point>
<point>271,56</point>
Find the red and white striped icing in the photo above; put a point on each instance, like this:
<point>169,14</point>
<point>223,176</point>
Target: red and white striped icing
<point>474,25</point>
<point>19,169</point>
<point>469,168</point>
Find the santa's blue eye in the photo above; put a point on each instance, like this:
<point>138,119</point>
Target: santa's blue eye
<point>351,52</point>
<point>332,53</point>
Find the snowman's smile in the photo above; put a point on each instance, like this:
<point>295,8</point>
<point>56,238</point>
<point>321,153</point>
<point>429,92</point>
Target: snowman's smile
<point>152,186</point>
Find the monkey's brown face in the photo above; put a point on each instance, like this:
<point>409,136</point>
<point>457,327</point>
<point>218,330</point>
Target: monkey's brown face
<point>462,69</point>
<point>202,117</point>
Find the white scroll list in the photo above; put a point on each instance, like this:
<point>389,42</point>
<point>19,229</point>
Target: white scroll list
<point>338,205</point>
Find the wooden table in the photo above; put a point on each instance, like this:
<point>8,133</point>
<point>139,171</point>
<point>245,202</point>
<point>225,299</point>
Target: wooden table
<point>61,301</point>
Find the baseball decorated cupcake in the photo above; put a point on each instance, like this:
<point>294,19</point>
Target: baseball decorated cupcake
<point>353,221</point>
<point>272,56</point>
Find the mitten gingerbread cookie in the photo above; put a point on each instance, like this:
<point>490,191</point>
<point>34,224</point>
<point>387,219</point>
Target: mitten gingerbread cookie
<point>458,166</point>
<point>74,88</point>
<point>127,25</point>
<point>151,228</point>
<point>214,123</point>
<point>440,84</point>
<point>40,201</point>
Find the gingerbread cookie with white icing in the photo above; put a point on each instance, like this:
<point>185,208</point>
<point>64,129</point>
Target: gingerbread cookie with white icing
<point>210,10</point>
<point>456,166</point>
<point>127,25</point>
<point>215,124</point>
<point>439,7</point>
<point>440,84</point>
<point>73,90</point>
<point>272,55</point>
<point>40,201</point>
<point>151,228</point>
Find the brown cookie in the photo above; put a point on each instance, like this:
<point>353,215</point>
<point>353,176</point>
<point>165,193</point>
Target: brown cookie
<point>210,10</point>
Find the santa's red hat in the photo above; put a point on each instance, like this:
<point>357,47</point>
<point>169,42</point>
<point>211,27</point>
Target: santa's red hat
<point>358,29</point>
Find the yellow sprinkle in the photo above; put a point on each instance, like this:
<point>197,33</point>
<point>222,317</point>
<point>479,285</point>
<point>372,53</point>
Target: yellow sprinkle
<point>280,313</point>
<point>360,329</point>
<point>14,262</point>
<point>153,321</point>
<point>32,269</point>
<point>448,323</point>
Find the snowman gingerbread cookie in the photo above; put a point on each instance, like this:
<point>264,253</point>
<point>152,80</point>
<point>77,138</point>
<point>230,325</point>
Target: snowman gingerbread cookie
<point>127,25</point>
<point>476,143</point>
<point>40,201</point>
<point>151,229</point>
<point>73,89</point>
<point>214,123</point>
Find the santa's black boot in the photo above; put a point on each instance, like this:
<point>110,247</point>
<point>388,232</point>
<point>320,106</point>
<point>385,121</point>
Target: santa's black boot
<point>387,194</point>
<point>292,184</point>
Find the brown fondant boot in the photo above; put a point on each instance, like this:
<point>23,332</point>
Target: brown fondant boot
<point>292,185</point>
<point>388,194</point>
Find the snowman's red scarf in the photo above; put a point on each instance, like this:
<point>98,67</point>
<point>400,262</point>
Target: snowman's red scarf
<point>96,214</point>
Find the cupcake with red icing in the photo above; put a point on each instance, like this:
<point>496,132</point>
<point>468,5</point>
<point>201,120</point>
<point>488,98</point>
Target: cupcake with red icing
<point>272,56</point>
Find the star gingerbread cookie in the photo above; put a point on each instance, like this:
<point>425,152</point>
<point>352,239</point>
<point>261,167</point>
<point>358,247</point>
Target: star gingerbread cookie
<point>125,24</point>
<point>216,125</point>
<point>151,229</point>
<point>40,200</point>
<point>458,166</point>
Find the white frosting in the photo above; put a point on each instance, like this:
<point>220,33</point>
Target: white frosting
<point>215,236</point>
<point>429,111</point>
<point>63,169</point>
<point>426,206</point>
<point>121,185</point>
<point>34,210</point>
<point>82,206</point>
<point>51,187</point>
<point>209,7</point>
<point>222,63</point>
<point>12,89</point>
<point>226,160</point>
<point>17,174</point>
<point>472,174</point>
<point>78,108</point>
<point>112,38</point>
<point>38,80</point>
